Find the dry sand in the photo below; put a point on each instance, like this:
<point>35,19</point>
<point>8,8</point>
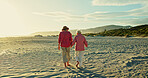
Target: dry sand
<point>34,57</point>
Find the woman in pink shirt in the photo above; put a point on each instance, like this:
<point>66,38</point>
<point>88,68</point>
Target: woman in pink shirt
<point>80,42</point>
<point>65,40</point>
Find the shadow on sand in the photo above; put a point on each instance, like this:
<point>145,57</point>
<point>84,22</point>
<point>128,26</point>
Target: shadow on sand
<point>76,73</point>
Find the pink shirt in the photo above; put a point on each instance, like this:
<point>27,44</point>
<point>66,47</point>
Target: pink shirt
<point>65,39</point>
<point>80,42</point>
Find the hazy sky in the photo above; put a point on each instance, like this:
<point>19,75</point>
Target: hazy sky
<point>21,17</point>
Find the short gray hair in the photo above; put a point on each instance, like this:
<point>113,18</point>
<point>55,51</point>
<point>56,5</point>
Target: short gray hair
<point>79,31</point>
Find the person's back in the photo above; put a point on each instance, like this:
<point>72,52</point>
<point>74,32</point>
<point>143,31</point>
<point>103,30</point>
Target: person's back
<point>80,42</point>
<point>65,38</point>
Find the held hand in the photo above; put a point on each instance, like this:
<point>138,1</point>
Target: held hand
<point>86,46</point>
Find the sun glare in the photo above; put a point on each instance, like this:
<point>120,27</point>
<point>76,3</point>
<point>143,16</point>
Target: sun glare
<point>10,22</point>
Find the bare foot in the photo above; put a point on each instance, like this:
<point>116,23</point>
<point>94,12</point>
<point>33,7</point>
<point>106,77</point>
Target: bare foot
<point>68,63</point>
<point>66,67</point>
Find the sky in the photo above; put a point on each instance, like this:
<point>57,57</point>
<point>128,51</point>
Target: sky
<point>23,17</point>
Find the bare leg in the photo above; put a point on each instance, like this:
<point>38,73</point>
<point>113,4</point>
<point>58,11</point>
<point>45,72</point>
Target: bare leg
<point>77,64</point>
<point>65,65</point>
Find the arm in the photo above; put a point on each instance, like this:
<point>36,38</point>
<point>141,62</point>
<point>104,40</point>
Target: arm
<point>85,42</point>
<point>71,39</point>
<point>59,41</point>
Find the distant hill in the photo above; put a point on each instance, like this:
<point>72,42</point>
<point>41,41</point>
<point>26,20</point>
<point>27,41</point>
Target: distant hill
<point>46,33</point>
<point>141,30</point>
<point>90,30</point>
<point>103,28</point>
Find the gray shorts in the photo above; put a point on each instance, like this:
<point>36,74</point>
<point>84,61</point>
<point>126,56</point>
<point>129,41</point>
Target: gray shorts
<point>65,54</point>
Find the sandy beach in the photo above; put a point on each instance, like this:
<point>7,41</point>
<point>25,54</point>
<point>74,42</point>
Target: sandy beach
<point>105,57</point>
